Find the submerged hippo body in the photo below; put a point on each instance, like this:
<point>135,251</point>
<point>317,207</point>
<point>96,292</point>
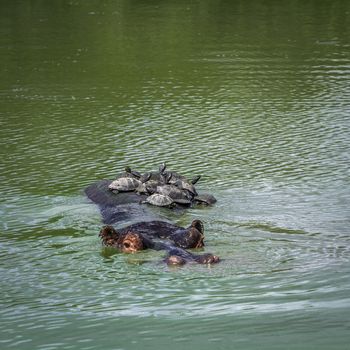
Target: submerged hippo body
<point>118,208</point>
<point>100,194</point>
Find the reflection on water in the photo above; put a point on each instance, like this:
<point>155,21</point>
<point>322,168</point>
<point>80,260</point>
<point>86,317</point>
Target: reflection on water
<point>253,96</point>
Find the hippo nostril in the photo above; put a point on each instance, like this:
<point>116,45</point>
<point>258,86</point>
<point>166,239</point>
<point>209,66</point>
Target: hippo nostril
<point>175,260</point>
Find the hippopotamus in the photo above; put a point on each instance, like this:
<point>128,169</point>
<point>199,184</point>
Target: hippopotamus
<point>138,237</point>
<point>147,230</point>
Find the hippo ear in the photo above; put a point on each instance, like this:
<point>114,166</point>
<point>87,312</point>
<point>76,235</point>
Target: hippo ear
<point>108,230</point>
<point>197,224</point>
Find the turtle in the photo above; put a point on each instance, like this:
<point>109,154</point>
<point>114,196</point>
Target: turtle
<point>124,184</point>
<point>174,177</point>
<point>132,173</point>
<point>177,195</point>
<point>151,186</point>
<point>148,187</point>
<point>152,175</point>
<point>187,186</point>
<point>145,177</point>
<point>141,189</point>
<point>162,168</point>
<point>167,177</point>
<point>159,200</point>
<point>128,173</point>
<point>205,198</point>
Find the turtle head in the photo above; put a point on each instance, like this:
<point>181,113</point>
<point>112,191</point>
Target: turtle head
<point>133,173</point>
<point>167,176</point>
<point>195,179</point>
<point>162,168</point>
<point>178,184</point>
<point>145,177</point>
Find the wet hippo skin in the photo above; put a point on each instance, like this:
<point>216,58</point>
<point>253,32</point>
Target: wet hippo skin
<point>130,240</point>
<point>147,231</point>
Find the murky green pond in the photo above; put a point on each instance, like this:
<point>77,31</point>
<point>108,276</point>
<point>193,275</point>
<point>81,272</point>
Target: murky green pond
<point>252,95</point>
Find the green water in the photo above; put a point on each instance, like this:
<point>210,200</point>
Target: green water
<point>252,95</point>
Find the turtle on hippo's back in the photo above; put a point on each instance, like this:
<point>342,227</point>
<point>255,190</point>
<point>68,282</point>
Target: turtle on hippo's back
<point>124,184</point>
<point>159,200</point>
<point>205,199</point>
<point>176,194</point>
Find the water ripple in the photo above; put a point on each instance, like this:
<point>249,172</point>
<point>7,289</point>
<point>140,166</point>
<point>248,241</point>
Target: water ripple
<point>251,96</point>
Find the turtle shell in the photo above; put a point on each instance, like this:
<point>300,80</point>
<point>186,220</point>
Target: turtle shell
<point>151,186</point>
<point>205,198</point>
<point>124,184</point>
<point>173,177</point>
<point>141,189</point>
<point>182,201</point>
<point>187,186</point>
<point>177,195</point>
<point>159,200</point>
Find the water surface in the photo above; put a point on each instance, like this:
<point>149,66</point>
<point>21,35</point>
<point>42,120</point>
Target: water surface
<point>254,96</point>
